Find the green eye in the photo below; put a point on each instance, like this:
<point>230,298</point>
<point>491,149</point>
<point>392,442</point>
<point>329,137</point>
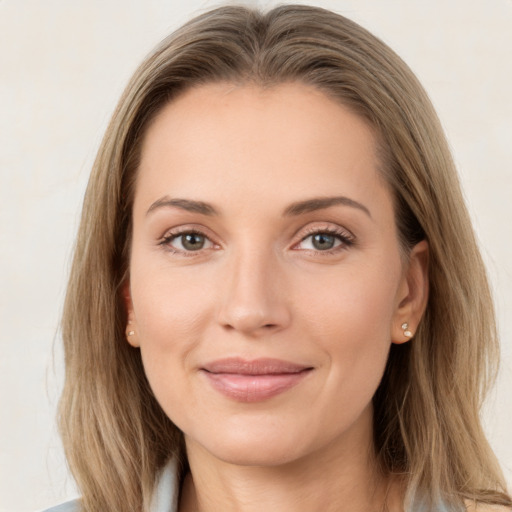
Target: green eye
<point>192,241</point>
<point>323,241</point>
<point>187,242</point>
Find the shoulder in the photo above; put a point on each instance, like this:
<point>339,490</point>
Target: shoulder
<point>69,506</point>
<point>484,507</point>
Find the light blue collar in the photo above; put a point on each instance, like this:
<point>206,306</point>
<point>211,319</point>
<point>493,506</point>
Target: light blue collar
<point>166,494</point>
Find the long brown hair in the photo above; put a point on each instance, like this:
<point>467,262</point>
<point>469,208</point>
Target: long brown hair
<point>426,420</point>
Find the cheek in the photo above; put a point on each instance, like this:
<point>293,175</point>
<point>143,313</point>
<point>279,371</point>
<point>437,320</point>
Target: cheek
<point>352,304</point>
<point>170,331</point>
<point>170,311</point>
<point>349,316</point>
<point>168,305</point>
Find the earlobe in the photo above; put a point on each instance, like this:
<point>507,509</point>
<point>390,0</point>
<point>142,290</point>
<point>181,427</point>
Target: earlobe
<point>131,336</point>
<point>413,295</point>
<point>131,328</point>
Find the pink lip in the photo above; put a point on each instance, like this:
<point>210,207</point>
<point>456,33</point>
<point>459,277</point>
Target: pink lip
<point>253,381</point>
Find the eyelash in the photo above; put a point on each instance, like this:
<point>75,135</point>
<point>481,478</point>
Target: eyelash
<point>347,240</point>
<point>167,239</point>
<point>345,237</point>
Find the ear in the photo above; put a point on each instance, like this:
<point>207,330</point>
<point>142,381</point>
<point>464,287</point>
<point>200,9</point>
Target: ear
<point>131,327</point>
<point>412,296</point>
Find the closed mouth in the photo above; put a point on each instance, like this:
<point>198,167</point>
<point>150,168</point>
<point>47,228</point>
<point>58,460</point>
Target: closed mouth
<point>254,380</point>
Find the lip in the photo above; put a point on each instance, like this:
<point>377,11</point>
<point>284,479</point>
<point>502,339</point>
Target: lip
<point>254,380</point>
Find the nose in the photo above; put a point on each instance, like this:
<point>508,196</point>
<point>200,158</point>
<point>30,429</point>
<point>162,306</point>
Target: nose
<point>254,300</point>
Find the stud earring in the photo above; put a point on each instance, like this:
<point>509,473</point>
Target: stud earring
<point>131,333</point>
<point>407,332</point>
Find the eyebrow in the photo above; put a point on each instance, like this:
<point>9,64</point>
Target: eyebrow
<point>297,208</point>
<point>183,204</point>
<point>320,203</point>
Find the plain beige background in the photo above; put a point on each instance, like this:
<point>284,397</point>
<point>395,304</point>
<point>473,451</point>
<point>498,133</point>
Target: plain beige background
<point>63,65</point>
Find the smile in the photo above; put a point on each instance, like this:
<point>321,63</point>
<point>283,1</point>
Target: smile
<point>253,381</point>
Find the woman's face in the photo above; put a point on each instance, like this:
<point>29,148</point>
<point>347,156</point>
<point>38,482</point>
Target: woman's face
<point>266,282</point>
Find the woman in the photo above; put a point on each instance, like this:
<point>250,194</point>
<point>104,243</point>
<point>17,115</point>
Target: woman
<point>277,301</point>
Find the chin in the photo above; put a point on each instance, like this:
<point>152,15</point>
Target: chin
<point>256,456</point>
<point>250,448</point>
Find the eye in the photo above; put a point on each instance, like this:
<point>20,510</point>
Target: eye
<point>187,241</point>
<point>325,241</point>
<point>321,241</point>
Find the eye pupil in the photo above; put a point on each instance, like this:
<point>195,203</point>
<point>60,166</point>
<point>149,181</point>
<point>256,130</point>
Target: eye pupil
<point>323,241</point>
<point>192,241</point>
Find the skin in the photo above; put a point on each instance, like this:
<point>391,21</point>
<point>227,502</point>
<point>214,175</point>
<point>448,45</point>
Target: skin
<point>260,287</point>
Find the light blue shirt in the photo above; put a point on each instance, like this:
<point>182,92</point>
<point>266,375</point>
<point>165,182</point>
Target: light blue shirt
<point>165,498</point>
<point>166,494</point>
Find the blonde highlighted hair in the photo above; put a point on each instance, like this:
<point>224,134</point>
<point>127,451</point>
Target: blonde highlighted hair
<point>426,424</point>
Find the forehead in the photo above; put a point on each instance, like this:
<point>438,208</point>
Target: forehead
<point>230,141</point>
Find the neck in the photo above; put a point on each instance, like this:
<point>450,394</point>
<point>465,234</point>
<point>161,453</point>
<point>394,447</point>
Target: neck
<point>340,476</point>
